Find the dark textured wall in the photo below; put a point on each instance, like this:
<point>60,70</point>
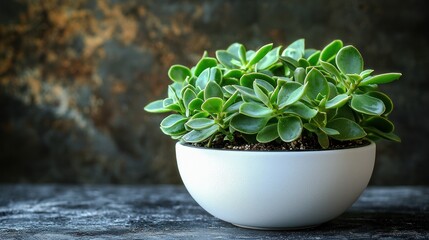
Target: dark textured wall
<point>74,76</point>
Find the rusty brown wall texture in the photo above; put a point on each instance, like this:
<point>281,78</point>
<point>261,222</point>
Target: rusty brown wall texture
<point>74,76</point>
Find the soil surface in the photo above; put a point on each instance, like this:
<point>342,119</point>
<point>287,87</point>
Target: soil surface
<point>305,143</point>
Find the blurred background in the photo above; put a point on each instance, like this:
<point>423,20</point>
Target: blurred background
<point>74,76</point>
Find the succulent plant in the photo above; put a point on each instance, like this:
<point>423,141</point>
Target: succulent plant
<point>271,95</point>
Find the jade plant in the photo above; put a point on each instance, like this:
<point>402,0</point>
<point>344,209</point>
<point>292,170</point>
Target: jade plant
<point>276,94</point>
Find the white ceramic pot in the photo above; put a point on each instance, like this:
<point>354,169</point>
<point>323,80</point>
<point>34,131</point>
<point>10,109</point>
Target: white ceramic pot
<point>277,189</point>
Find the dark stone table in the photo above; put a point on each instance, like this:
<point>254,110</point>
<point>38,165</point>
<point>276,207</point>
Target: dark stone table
<point>169,212</point>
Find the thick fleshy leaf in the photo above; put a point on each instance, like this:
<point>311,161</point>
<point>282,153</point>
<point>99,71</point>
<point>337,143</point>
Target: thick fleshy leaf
<point>231,100</point>
<point>169,103</point>
<point>156,107</point>
<point>291,63</point>
<point>233,73</point>
<point>349,60</point>
<point>248,125</point>
<point>269,59</point>
<point>366,104</point>
<point>248,92</point>
<point>262,96</point>
<point>317,84</point>
<point>349,130</point>
<point>337,101</point>
<point>259,54</point>
<point>313,59</point>
<point>322,139</point>
<point>301,110</point>
<point>178,73</point>
<point>188,96</point>
<point>331,69</point>
<point>380,79</point>
<point>295,50</point>
<point>226,59</point>
<point>234,107</point>
<point>389,136</point>
<point>212,90</point>
<point>247,79</point>
<point>386,100</point>
<point>380,123</point>
<point>203,64</point>
<point>299,75</point>
<point>289,128</point>
<point>255,110</point>
<point>200,123</point>
<point>329,131</point>
<point>174,124</point>
<point>268,134</point>
<point>209,74</point>
<point>239,51</point>
<point>196,136</point>
<point>213,105</point>
<point>195,104</point>
<point>331,50</point>
<point>265,85</point>
<point>290,93</point>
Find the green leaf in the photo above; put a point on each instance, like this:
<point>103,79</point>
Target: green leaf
<point>178,73</point>
<point>271,58</point>
<point>230,101</point>
<point>247,79</point>
<point>290,93</point>
<point>174,124</point>
<point>331,50</point>
<point>317,84</point>
<point>196,136</point>
<point>188,96</point>
<point>302,62</point>
<point>313,59</point>
<point>380,123</point>
<point>265,85</point>
<point>337,101</point>
<point>329,131</point>
<point>301,110</point>
<point>349,60</point>
<point>380,79</point>
<point>289,128</point>
<point>156,107</point>
<point>239,51</point>
<point>259,54</point>
<point>291,63</point>
<point>268,134</point>
<point>299,75</point>
<point>262,96</point>
<point>195,104</point>
<point>389,136</point>
<point>366,73</point>
<point>209,74</point>
<point>255,110</point>
<point>213,105</point>
<point>331,69</point>
<point>248,125</point>
<point>200,123</point>
<point>234,107</point>
<point>349,130</point>
<point>203,64</point>
<point>169,104</point>
<point>386,100</point>
<point>245,91</point>
<point>212,90</point>
<point>233,73</point>
<point>366,104</point>
<point>295,50</point>
<point>226,59</point>
<point>322,139</point>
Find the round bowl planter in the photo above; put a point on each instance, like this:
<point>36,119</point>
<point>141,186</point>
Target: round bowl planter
<point>275,189</point>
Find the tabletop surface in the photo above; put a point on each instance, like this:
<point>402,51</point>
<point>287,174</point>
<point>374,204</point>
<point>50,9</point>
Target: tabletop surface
<point>169,212</point>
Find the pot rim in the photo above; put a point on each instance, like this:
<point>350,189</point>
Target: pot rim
<point>371,144</point>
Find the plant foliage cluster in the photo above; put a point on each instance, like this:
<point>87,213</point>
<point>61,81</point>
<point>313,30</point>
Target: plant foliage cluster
<point>274,94</point>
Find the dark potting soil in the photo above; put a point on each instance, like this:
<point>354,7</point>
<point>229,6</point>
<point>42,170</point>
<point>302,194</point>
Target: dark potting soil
<point>305,143</point>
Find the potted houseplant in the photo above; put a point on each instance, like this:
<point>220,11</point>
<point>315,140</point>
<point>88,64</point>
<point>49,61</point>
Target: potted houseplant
<point>276,138</point>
